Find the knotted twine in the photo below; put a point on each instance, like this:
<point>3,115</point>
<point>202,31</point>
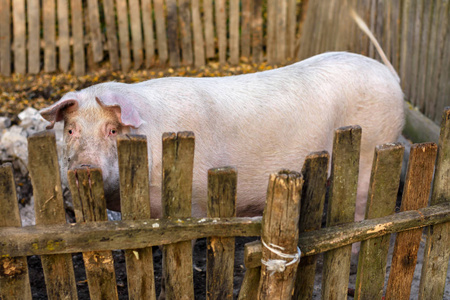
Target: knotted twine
<point>279,265</point>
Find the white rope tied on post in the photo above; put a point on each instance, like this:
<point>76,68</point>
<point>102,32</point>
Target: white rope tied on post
<point>279,265</point>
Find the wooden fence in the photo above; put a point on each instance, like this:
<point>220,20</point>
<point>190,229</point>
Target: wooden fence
<point>299,198</point>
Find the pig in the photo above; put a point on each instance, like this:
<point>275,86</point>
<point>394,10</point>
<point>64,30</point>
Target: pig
<point>259,123</point>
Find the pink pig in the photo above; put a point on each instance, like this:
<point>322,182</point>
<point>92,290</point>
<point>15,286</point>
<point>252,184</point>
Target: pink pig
<point>259,122</point>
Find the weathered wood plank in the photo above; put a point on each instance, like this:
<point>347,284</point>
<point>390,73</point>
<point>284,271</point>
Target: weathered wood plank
<point>271,46</point>
<point>246,29</point>
<point>49,210</point>
<point>78,36</point>
<point>32,240</point>
<point>221,29</point>
<point>315,174</point>
<point>161,38</point>
<point>19,32</point>
<point>416,52</point>
<point>415,196</point>
<point>435,262</point>
<point>5,37</point>
<point>443,88</point>
<point>252,275</point>
<point>222,184</point>
<point>48,10</point>
<point>34,37</point>
<point>111,34</point>
<point>14,280</point>
<point>344,181</point>
<point>257,34</point>
<point>234,31</point>
<point>209,29</point>
<point>94,30</point>
<point>280,29</point>
<point>177,166</point>
<point>124,37</point>
<point>280,231</point>
<point>172,33</point>
<point>187,57</point>
<point>304,8</point>
<point>86,187</point>
<point>136,33</point>
<point>383,189</point>
<point>149,41</point>
<point>63,35</point>
<point>291,29</point>
<point>135,205</point>
<point>197,28</point>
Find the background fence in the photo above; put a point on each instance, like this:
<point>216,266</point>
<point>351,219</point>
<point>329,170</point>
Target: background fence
<point>299,202</point>
<point>77,35</point>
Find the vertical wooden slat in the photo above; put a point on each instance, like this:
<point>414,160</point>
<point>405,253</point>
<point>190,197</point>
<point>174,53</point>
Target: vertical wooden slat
<point>14,280</point>
<point>172,33</point>
<point>416,52</point>
<point>234,32</point>
<point>383,188</point>
<point>252,273</point>
<point>209,29</point>
<point>124,38</point>
<point>197,28</point>
<point>149,41</point>
<point>177,166</point>
<point>49,209</point>
<point>436,257</point>
<point>405,43</point>
<point>135,205</point>
<point>19,31</point>
<point>280,231</point>
<point>185,32</point>
<point>220,251</point>
<point>95,35</point>
<point>415,195</point>
<point>160,23</point>
<point>271,46</point>
<point>344,181</point>
<point>291,26</point>
<point>86,187</point>
<point>444,88</point>
<point>77,33</point>
<point>306,38</point>
<point>304,8</point>
<point>63,35</point>
<point>111,33</point>
<point>246,29</point>
<point>257,32</point>
<point>281,26</point>
<point>91,65</point>
<point>136,33</point>
<point>48,10</point>
<point>221,29</point>
<point>396,29</point>
<point>5,37</point>
<point>314,189</point>
<point>34,37</point>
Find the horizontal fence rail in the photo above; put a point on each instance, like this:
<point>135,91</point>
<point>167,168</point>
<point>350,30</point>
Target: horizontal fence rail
<point>54,240</point>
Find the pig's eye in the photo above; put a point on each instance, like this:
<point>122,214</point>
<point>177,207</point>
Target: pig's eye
<point>70,132</point>
<point>113,132</point>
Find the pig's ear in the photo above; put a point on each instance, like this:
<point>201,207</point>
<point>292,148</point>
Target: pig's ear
<point>56,111</point>
<point>123,107</point>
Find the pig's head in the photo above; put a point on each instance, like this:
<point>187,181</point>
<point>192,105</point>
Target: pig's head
<point>93,118</point>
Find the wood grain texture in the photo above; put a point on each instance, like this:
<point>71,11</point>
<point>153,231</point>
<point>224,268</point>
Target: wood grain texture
<point>271,44</point>
<point>124,37</point>
<point>14,280</point>
<point>94,30</point>
<point>172,33</point>
<point>252,275</point>
<point>177,166</point>
<point>135,205</point>
<point>257,34</point>
<point>19,32</point>
<point>222,184</point>
<point>234,31</point>
<point>221,29</point>
<point>344,181</point>
<point>49,210</point>
<point>63,35</point>
<point>161,38</point>
<point>185,29</point>
<point>415,196</point>
<point>315,174</point>
<point>280,227</point>
<point>111,34</point>
<point>197,28</point>
<point>436,257</point>
<point>383,188</point>
<point>5,37</point>
<point>78,37</point>
<point>246,29</point>
<point>149,40</point>
<point>136,33</point>
<point>209,28</point>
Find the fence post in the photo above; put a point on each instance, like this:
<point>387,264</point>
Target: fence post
<point>344,181</point>
<point>135,205</point>
<point>14,280</point>
<point>220,250</point>
<point>252,262</point>
<point>86,187</point>
<point>177,167</point>
<point>435,262</point>
<point>279,236</point>
<point>49,209</point>
<point>415,196</point>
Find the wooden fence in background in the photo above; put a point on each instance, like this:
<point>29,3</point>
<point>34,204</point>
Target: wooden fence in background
<point>77,35</point>
<point>299,201</point>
